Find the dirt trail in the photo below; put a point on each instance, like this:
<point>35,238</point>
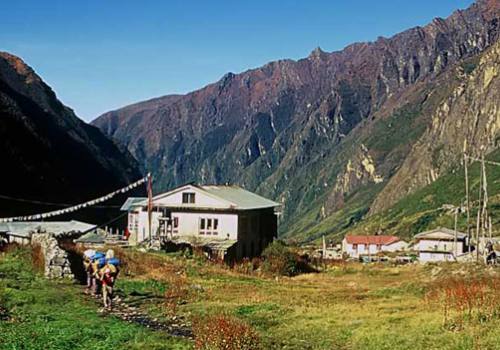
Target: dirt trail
<point>176,327</point>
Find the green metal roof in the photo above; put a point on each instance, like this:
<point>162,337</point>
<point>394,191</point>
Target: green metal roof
<point>25,228</point>
<point>92,237</point>
<point>132,202</point>
<point>240,197</point>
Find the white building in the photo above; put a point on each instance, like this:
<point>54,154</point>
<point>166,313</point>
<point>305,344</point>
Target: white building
<point>356,246</point>
<point>228,221</point>
<point>440,244</point>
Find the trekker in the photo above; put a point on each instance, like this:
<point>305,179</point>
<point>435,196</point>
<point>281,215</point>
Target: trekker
<point>108,276</point>
<point>87,265</point>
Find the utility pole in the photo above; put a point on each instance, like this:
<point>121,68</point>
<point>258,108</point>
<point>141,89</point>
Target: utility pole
<point>455,240</point>
<point>485,202</point>
<point>479,213</point>
<point>466,161</point>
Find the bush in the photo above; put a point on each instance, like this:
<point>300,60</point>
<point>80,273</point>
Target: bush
<point>467,299</point>
<point>279,259</point>
<point>223,332</point>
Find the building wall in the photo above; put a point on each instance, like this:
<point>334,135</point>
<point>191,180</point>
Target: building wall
<point>395,247</point>
<point>189,224</point>
<point>435,257</point>
<point>370,249</point>
<point>448,246</point>
<point>201,200</point>
<point>256,230</point>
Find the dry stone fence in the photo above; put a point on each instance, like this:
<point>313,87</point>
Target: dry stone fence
<point>57,264</point>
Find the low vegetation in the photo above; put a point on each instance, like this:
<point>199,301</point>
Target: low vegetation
<point>346,306</point>
<point>36,313</point>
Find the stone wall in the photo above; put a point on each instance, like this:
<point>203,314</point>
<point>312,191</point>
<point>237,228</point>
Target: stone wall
<point>57,264</point>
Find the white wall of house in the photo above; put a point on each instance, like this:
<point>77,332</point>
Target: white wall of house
<point>189,224</point>
<point>202,199</point>
<point>355,251</point>
<point>446,246</point>
<point>435,257</point>
<point>395,247</point>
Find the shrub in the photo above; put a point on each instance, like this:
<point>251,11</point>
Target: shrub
<point>279,259</point>
<point>467,299</point>
<point>221,332</point>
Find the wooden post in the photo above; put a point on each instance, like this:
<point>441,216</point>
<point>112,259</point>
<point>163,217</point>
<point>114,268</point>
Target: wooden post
<point>478,220</point>
<point>485,204</point>
<point>466,161</point>
<point>455,240</point>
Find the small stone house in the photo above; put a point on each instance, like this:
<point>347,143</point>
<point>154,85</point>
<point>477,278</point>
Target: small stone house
<point>359,245</point>
<point>228,222</point>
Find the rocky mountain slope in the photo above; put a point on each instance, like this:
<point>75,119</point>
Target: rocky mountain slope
<point>327,135</point>
<point>48,154</point>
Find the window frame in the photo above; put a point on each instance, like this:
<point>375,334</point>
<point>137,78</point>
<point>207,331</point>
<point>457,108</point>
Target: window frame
<point>188,198</point>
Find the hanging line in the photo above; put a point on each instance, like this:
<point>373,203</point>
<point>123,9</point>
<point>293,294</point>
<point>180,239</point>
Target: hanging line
<point>77,206</point>
<point>479,160</point>
<point>32,201</point>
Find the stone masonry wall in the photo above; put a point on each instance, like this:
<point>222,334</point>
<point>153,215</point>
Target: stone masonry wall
<point>57,264</point>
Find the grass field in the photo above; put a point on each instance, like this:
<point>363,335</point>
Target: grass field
<point>349,306</point>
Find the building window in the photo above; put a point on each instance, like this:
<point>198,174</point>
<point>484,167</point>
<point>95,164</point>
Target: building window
<point>209,226</point>
<point>187,198</point>
<point>379,246</point>
<point>355,246</point>
<point>175,222</point>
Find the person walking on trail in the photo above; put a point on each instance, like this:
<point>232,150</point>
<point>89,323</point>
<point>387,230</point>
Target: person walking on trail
<point>88,268</point>
<point>108,276</point>
<point>87,265</point>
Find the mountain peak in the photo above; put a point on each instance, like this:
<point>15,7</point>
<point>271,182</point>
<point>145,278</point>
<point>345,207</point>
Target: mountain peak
<point>317,53</point>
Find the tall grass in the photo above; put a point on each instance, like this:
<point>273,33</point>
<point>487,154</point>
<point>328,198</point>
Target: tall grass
<point>466,300</point>
<point>221,332</point>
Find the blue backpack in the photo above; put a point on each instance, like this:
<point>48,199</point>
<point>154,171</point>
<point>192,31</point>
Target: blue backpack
<point>97,256</point>
<point>114,261</point>
<point>101,262</point>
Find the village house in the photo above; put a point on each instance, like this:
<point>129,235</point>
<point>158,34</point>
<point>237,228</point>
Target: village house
<point>356,246</point>
<point>228,222</point>
<point>440,244</point>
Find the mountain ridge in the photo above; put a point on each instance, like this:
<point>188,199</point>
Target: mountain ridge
<point>50,155</point>
<point>281,129</point>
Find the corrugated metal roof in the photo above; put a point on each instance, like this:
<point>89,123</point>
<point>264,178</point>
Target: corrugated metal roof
<point>242,198</point>
<point>132,202</point>
<point>211,243</point>
<point>92,237</point>
<point>383,240</point>
<point>25,228</point>
<point>440,233</point>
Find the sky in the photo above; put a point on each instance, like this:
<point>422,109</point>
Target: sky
<point>99,55</point>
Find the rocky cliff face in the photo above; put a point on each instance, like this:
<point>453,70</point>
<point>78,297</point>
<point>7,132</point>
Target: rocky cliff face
<point>311,133</point>
<point>48,154</point>
<point>468,118</point>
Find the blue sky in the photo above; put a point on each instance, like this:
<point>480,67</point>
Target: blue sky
<point>99,55</point>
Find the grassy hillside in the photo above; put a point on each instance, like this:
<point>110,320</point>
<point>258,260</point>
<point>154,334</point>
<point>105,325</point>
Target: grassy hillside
<point>36,313</point>
<point>349,306</point>
<point>419,211</point>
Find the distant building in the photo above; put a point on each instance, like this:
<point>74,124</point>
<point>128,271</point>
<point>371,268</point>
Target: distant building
<point>21,232</point>
<point>228,222</point>
<point>356,246</point>
<point>440,244</point>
